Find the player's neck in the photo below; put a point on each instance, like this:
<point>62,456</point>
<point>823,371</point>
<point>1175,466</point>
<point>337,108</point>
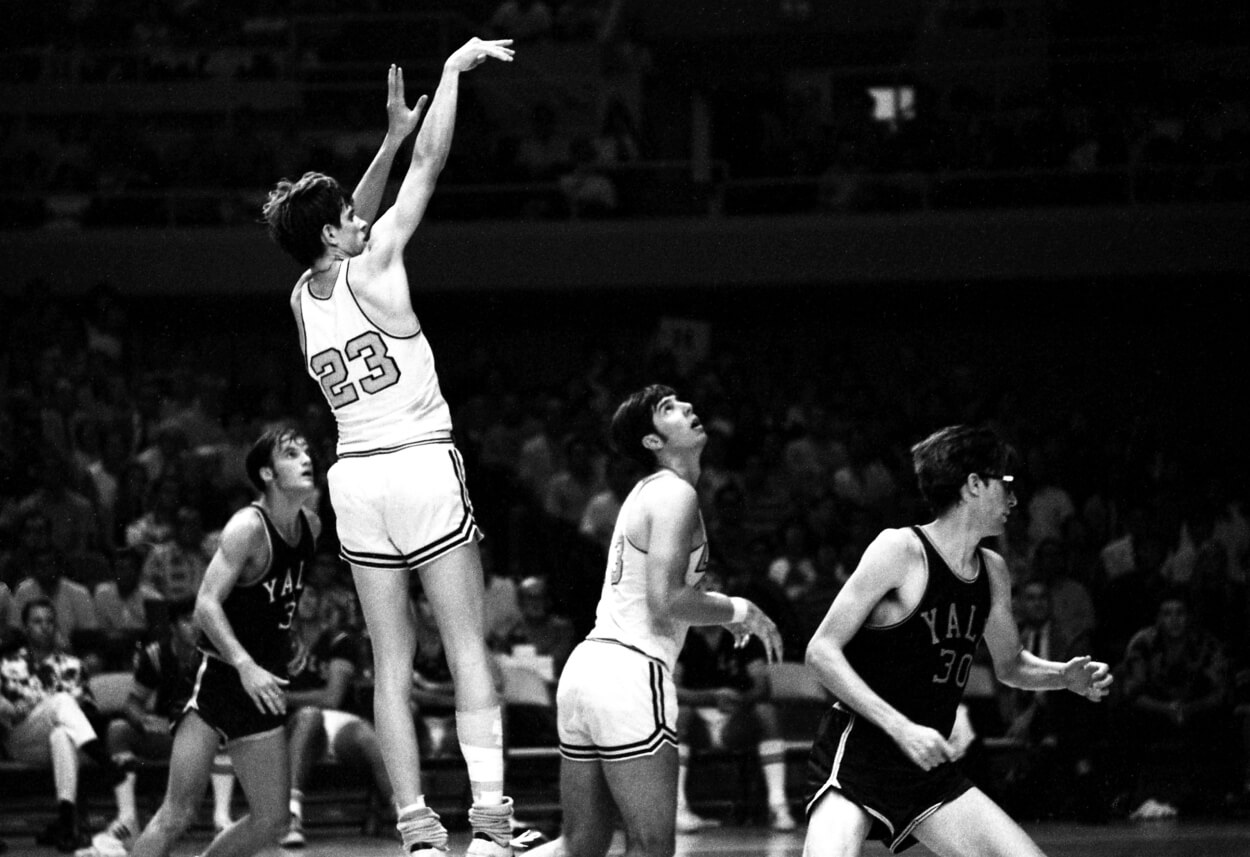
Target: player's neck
<point>687,469</point>
<point>284,510</point>
<point>324,270</point>
<point>954,540</point>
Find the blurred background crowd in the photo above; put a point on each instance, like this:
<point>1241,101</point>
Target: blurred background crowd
<point>125,413</point>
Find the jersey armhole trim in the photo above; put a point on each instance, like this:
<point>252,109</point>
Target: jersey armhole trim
<point>264,524</point>
<point>911,613</point>
<point>347,282</point>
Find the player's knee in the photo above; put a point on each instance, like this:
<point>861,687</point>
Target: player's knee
<point>119,737</point>
<point>307,720</point>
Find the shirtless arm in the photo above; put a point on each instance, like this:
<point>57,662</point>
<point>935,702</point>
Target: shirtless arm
<point>244,547</point>
<point>671,517</point>
<point>400,122</point>
<point>391,233</point>
<point>884,568</point>
<point>1016,667</point>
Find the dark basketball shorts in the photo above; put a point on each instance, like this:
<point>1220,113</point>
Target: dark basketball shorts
<point>857,759</point>
<point>222,703</point>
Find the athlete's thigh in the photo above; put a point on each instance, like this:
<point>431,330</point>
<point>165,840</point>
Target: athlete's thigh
<point>454,585</point>
<point>836,827</point>
<point>384,601</point>
<point>589,814</point>
<point>645,792</point>
<point>191,759</point>
<point>972,824</point>
<point>260,763</point>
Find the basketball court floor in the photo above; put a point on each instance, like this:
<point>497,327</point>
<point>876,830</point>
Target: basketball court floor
<point>1156,839</point>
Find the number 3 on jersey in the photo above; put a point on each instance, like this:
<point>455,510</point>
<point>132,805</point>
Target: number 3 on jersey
<point>331,369</point>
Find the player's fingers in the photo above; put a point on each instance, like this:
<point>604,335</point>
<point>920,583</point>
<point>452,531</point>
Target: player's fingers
<point>281,682</point>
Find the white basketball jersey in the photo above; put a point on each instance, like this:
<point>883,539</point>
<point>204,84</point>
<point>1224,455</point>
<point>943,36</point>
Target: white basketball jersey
<point>623,614</point>
<point>382,388</point>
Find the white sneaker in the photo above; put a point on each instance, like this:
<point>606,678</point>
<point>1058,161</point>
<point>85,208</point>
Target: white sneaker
<point>688,822</point>
<point>294,834</point>
<point>115,841</point>
<point>492,830</point>
<point>779,818</point>
<point>423,834</point>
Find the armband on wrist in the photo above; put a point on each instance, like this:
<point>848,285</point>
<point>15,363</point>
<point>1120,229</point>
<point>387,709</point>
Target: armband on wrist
<point>741,608</point>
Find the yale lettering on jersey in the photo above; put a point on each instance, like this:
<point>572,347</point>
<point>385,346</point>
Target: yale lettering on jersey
<point>289,586</point>
<point>953,628</point>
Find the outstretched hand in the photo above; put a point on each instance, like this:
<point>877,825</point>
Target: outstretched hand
<point>475,51</point>
<point>758,624</point>
<point>1089,678</point>
<point>400,120</point>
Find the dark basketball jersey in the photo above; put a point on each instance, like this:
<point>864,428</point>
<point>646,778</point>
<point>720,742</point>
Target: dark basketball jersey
<point>158,668</point>
<point>921,664</point>
<point>313,673</point>
<point>260,612</point>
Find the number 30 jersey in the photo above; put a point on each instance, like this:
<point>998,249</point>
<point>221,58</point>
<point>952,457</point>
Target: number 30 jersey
<point>383,389</point>
<point>921,664</point>
<point>261,612</point>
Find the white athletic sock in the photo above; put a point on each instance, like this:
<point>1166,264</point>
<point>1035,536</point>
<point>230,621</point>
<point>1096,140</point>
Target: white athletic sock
<point>480,734</point>
<point>124,792</point>
<point>223,788</point>
<point>773,760</point>
<point>410,808</point>
<point>297,803</point>
<point>683,768</point>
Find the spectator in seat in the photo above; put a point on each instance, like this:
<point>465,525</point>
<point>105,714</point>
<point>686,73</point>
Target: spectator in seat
<point>1056,728</point>
<point>164,678</point>
<point>44,707</point>
<point>46,578</point>
<point>538,630</point>
<point>323,722</point>
<point>723,694</point>
<point>121,603</point>
<point>1177,714</point>
<point>176,568</point>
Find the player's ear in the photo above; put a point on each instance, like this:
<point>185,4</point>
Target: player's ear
<point>266,474</point>
<point>652,441</point>
<point>329,234</point>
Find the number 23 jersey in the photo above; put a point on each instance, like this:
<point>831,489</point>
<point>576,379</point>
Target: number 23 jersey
<point>382,388</point>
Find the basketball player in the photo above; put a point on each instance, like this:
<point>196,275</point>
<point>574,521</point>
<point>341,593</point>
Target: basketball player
<point>244,608</point>
<point>398,486</point>
<point>896,647</point>
<point>617,704</point>
<point>164,679</point>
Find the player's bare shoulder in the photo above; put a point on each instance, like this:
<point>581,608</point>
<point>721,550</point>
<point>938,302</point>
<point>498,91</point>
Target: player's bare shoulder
<point>244,539</point>
<point>894,553</point>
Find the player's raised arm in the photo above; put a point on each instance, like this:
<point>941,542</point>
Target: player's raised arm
<point>429,152</point>
<point>401,120</point>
